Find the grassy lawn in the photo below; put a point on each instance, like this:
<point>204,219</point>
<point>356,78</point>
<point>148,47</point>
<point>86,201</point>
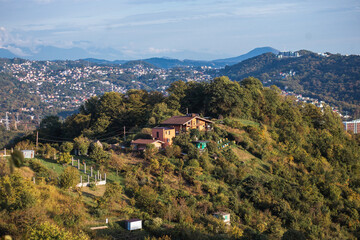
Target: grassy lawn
<point>248,123</point>
<point>51,164</point>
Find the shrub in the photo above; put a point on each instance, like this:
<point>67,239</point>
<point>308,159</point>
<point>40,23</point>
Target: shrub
<point>51,231</point>
<point>69,178</point>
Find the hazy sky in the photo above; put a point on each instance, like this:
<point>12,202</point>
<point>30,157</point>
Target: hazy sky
<point>197,29</point>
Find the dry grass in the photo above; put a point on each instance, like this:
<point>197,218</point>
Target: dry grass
<point>98,192</point>
<point>25,172</point>
<point>241,154</point>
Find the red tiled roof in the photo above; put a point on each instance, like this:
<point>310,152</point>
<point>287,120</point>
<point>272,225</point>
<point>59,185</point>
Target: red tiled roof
<point>180,120</point>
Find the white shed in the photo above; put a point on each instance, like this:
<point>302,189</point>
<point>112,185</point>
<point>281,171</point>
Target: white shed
<point>224,216</point>
<point>133,224</point>
<point>28,153</point>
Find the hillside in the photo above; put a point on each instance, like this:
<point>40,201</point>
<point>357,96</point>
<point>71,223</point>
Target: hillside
<point>334,79</point>
<point>281,169</point>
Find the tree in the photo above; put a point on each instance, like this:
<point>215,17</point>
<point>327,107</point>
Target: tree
<point>99,155</point>
<point>150,151</point>
<point>222,97</point>
<point>16,193</point>
<point>65,158</point>
<point>50,126</point>
<point>146,199</point>
<point>49,151</point>
<point>25,145</point>
<point>16,160</point>
<point>75,124</point>
<point>69,178</point>
<point>112,193</point>
<point>116,162</point>
<point>82,144</point>
<point>67,147</point>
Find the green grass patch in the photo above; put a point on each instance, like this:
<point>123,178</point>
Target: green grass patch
<point>248,123</point>
<point>51,164</point>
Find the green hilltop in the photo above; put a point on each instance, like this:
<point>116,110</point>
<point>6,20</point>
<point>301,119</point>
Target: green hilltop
<point>280,168</point>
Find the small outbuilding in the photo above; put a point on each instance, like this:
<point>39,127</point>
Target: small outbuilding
<point>200,144</point>
<point>223,216</point>
<point>28,153</point>
<point>140,144</point>
<point>133,224</point>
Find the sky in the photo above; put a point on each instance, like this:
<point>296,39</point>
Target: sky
<point>195,29</point>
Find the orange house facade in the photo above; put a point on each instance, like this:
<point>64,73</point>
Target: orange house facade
<point>187,122</point>
<point>164,134</point>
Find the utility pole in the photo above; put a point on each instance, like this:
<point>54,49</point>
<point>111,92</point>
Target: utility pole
<point>37,139</point>
<point>7,122</point>
<point>124,134</point>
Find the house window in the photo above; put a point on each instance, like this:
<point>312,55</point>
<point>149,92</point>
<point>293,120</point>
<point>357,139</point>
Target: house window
<point>168,140</point>
<point>157,134</point>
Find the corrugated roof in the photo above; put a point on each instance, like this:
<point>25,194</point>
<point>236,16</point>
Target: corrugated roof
<point>165,128</point>
<point>133,220</point>
<point>145,141</point>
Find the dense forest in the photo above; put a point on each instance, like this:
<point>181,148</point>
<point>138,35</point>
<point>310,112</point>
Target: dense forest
<point>282,169</point>
<point>333,78</point>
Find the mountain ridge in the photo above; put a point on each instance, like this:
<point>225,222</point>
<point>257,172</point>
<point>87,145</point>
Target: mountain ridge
<point>53,53</point>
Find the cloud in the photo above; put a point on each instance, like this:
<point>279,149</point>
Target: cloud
<point>16,51</point>
<point>43,1</point>
<point>153,50</point>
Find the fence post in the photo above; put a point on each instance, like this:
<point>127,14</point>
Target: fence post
<point>84,167</point>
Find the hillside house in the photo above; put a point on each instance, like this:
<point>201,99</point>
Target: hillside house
<point>187,122</point>
<point>223,216</point>
<point>164,134</point>
<point>140,144</point>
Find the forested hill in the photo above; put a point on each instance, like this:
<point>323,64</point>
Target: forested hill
<point>333,78</point>
<point>282,169</point>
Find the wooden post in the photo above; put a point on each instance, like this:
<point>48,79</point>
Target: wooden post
<point>84,167</point>
<point>91,171</point>
<point>4,151</point>
<point>37,140</point>
<point>78,164</point>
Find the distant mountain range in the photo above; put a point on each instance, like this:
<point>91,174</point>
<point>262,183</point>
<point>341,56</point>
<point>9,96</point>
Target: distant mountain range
<point>54,53</point>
